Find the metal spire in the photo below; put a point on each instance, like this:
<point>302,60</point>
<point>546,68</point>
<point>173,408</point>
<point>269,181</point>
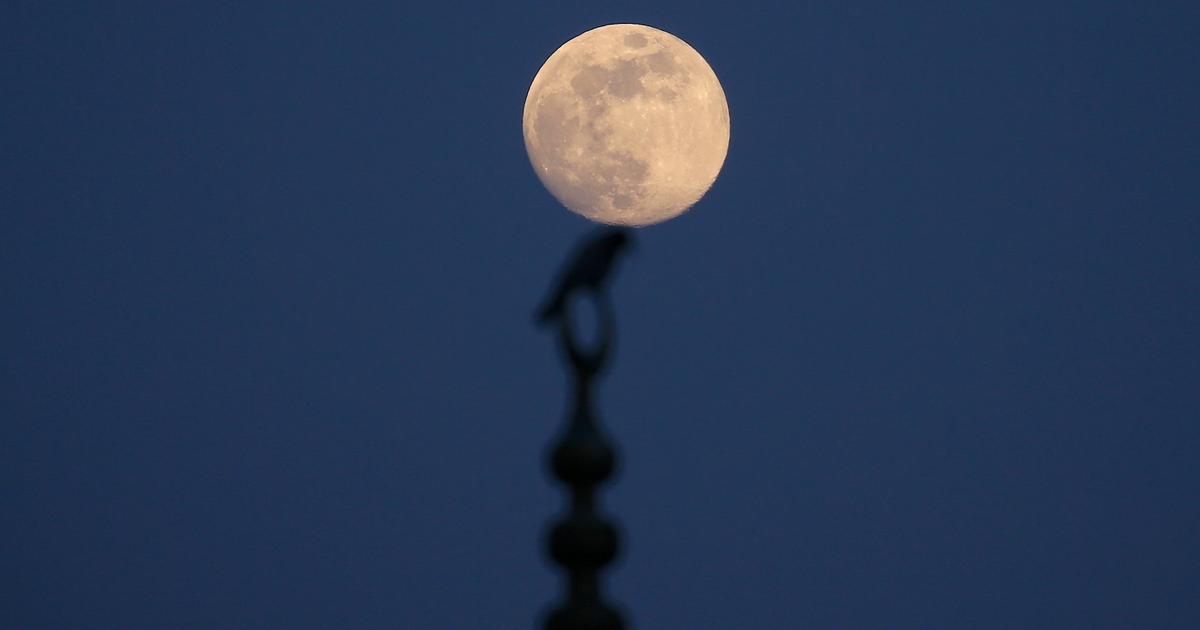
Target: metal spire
<point>583,541</point>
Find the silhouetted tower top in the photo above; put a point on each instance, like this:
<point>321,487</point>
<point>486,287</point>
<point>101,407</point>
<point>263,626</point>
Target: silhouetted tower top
<point>584,540</point>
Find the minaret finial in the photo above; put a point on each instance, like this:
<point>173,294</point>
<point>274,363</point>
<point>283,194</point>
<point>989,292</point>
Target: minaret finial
<point>584,541</point>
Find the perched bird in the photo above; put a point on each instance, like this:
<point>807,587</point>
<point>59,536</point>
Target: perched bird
<point>590,268</point>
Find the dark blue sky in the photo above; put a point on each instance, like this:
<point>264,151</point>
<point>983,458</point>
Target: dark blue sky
<point>926,356</point>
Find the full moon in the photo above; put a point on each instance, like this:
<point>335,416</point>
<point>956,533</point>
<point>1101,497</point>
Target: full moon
<point>626,125</point>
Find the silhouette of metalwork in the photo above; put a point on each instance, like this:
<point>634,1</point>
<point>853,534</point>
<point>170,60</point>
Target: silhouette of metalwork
<point>584,541</point>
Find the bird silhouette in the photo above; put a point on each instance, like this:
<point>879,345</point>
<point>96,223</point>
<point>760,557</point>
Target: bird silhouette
<point>590,268</point>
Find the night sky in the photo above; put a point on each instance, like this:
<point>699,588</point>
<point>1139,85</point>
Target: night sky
<point>926,356</point>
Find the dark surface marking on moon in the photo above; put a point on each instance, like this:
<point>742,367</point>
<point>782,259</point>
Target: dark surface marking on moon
<point>624,175</point>
<point>615,174</point>
<point>597,138</point>
<point>555,122</point>
<point>623,81</point>
<point>589,81</point>
<point>635,40</point>
<point>626,79</point>
<point>595,111</point>
<point>665,63</point>
<point>619,172</point>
